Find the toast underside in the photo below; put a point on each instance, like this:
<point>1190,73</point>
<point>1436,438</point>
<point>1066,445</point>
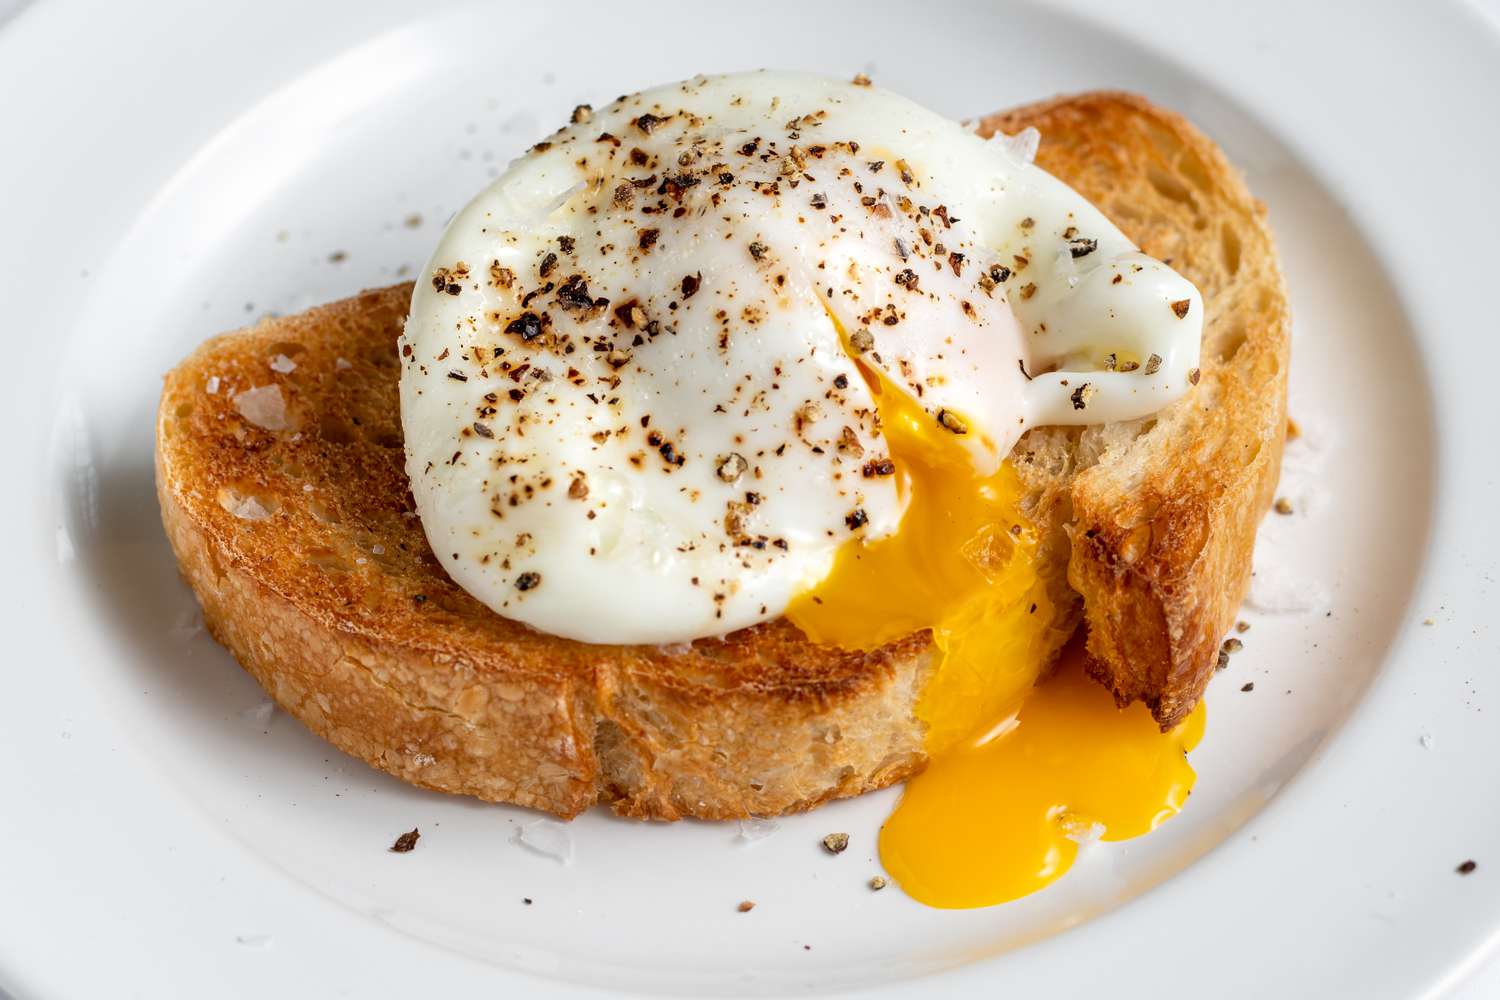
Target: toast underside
<point>295,527</point>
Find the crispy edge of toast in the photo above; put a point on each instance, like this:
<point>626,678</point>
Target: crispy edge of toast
<point>1163,527</point>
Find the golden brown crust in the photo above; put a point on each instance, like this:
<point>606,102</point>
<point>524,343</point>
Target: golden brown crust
<point>303,546</point>
<point>1163,523</point>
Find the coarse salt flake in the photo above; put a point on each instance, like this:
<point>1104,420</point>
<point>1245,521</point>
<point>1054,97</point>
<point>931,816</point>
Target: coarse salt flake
<point>264,406</point>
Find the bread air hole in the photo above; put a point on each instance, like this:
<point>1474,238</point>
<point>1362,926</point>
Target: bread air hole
<point>327,560</point>
<point>1191,167</point>
<point>1229,242</point>
<point>1169,187</point>
<point>335,430</point>
<point>1228,340</point>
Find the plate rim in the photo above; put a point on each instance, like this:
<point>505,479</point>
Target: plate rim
<point>1449,960</point>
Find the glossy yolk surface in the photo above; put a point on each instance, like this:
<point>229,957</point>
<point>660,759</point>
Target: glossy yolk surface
<point>1019,772</point>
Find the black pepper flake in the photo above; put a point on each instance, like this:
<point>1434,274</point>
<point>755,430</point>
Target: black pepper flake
<point>758,250</point>
<point>582,113</point>
<point>841,381</point>
<point>406,842</point>
<point>836,843</point>
<point>527,326</point>
<point>528,581</point>
<point>1080,396</point>
<point>646,238</point>
<point>907,279</point>
<point>879,467</point>
<point>458,376</point>
<point>952,422</point>
<point>1248,686</point>
<point>819,201</point>
<point>856,519</point>
<point>548,263</point>
<point>647,123</point>
<point>956,261</point>
<point>574,293</point>
<point>1180,307</point>
<point>1194,375</point>
<point>1153,364</point>
<point>1082,248</point>
<point>1467,867</point>
<point>675,186</point>
<point>483,430</point>
<point>690,284</point>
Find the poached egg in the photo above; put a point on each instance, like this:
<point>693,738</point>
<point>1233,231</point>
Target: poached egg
<point>758,345</point>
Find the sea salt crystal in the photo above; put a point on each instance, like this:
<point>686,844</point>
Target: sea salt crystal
<point>342,364</point>
<point>1276,591</point>
<point>1022,146</point>
<point>1079,829</point>
<point>755,830</point>
<point>263,406</point>
<point>1426,740</point>
<point>248,508</point>
<point>212,385</point>
<point>65,551</point>
<point>258,941</point>
<point>548,838</point>
<point>260,713</point>
<point>377,549</point>
<point>283,364</point>
<point>188,626</point>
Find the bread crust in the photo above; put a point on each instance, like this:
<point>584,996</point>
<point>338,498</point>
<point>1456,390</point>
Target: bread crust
<point>1163,526</point>
<point>302,544</point>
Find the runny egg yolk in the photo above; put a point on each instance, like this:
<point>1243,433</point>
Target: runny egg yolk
<point>1019,772</point>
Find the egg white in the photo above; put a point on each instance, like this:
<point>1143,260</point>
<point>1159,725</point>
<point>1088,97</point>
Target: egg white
<point>629,392</point>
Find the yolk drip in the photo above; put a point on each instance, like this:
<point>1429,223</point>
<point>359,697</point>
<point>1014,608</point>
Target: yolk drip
<point>995,814</point>
<point>995,821</point>
<point>961,563</point>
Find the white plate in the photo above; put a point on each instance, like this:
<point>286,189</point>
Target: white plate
<point>176,171</point>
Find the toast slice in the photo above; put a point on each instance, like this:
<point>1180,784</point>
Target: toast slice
<point>284,496</point>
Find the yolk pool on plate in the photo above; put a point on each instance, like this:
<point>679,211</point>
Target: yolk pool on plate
<point>994,821</point>
<point>1019,772</point>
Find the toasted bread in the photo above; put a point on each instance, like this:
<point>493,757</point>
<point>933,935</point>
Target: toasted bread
<point>291,518</point>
